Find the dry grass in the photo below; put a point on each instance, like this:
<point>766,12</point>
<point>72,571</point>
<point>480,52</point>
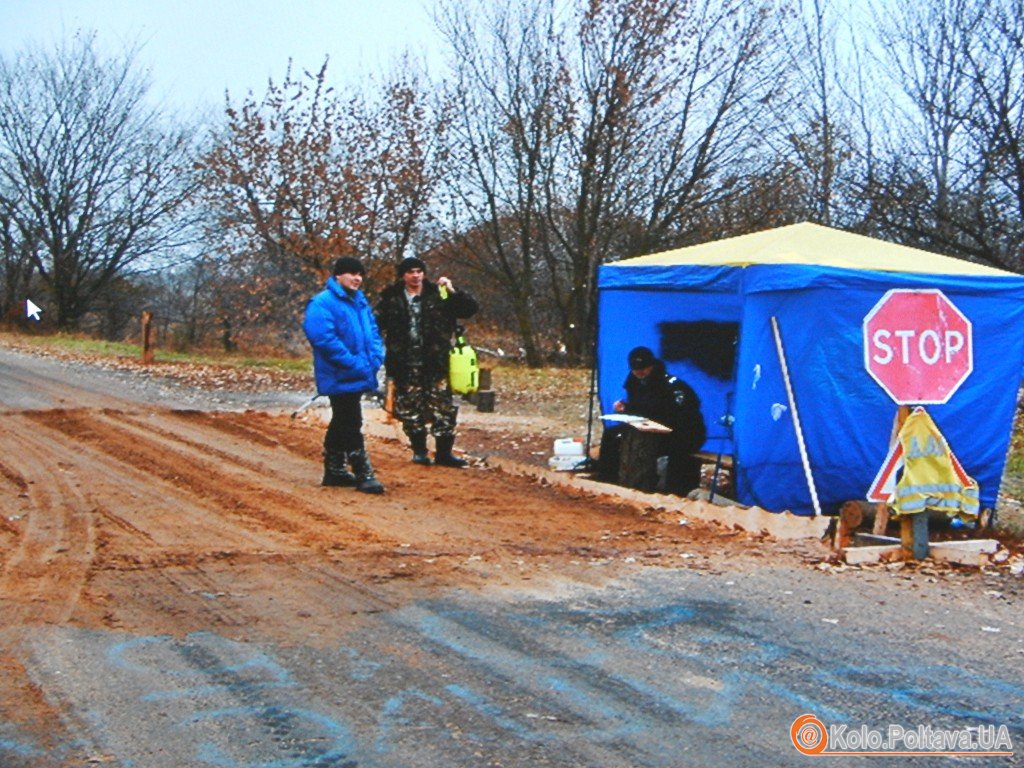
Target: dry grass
<point>555,393</point>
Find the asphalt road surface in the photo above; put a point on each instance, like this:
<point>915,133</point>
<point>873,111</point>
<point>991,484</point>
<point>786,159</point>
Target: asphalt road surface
<point>177,591</point>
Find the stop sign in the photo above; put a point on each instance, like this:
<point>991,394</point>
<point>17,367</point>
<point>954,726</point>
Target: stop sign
<point>917,346</point>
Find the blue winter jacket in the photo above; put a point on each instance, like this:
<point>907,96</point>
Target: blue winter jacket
<point>347,347</point>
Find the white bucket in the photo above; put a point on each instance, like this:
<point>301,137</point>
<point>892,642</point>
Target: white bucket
<point>568,446</point>
<point>564,463</point>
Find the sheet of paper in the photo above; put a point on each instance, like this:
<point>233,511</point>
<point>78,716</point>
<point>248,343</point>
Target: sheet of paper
<point>637,422</point>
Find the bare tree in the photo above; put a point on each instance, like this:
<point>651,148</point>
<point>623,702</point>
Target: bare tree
<point>509,95</point>
<point>299,177</point>
<point>16,262</point>
<point>671,93</point>
<point>931,177</point>
<point>396,136</point>
<point>99,175</point>
<point>995,69</point>
<point>597,130</point>
<point>813,130</point>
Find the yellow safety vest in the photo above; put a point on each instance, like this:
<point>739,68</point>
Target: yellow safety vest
<point>932,477</point>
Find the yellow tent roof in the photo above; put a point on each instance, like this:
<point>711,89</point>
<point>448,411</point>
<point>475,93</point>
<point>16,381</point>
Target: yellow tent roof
<point>813,244</point>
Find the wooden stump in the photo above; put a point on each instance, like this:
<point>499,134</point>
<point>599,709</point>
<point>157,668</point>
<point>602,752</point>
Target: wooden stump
<point>638,459</point>
<point>485,401</point>
<point>850,517</point>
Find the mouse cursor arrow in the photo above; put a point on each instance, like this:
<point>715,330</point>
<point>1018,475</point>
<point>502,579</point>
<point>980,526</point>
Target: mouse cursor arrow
<point>31,310</point>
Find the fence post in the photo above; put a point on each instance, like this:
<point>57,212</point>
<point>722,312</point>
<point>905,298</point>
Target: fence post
<point>147,338</point>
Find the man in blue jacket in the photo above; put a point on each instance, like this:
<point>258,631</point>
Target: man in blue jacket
<point>347,353</point>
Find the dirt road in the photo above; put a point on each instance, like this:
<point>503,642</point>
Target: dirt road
<point>177,590</point>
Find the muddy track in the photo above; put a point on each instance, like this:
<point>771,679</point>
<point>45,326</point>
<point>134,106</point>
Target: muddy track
<point>107,499</point>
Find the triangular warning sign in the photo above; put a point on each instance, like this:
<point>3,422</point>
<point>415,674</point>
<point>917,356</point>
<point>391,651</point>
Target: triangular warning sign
<point>885,481</point>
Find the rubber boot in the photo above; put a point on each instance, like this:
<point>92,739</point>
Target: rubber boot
<point>366,481</point>
<point>418,440</point>
<point>443,454</point>
<point>336,474</point>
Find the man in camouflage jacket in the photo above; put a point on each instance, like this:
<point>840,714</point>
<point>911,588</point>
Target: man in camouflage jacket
<point>417,319</point>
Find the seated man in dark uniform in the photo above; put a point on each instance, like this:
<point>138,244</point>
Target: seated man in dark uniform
<point>651,392</point>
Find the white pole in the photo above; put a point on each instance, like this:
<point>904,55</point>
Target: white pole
<point>796,417</point>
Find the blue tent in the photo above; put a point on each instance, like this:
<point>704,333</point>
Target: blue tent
<point>707,311</point>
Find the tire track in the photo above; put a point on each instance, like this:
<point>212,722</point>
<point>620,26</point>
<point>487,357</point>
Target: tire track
<point>235,491</point>
<point>138,505</point>
<point>43,578</point>
<point>185,561</point>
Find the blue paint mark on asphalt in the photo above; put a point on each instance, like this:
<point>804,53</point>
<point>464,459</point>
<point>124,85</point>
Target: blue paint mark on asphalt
<point>391,715</point>
<point>586,702</point>
<point>497,715</point>
<point>156,655</point>
<point>932,688</point>
<point>17,748</point>
<point>629,678</point>
<point>738,662</point>
<point>298,724</point>
<point>362,668</point>
<point>660,618</point>
<point>220,667</point>
<point>804,703</point>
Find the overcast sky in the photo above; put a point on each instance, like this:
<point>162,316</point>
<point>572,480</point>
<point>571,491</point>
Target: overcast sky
<point>197,48</point>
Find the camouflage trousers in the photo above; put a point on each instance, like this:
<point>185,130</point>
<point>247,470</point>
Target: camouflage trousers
<point>419,404</point>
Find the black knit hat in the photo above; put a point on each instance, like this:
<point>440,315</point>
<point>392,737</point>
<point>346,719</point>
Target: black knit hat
<point>410,262</point>
<point>347,265</point>
<point>640,357</point>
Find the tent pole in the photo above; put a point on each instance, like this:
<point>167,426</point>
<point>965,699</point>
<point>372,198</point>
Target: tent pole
<point>588,463</point>
<point>796,417</point>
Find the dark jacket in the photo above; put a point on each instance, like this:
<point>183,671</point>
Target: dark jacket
<point>667,400</point>
<point>437,323</point>
<point>347,347</point>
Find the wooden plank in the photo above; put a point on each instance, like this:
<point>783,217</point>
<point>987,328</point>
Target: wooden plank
<point>863,539</point>
<point>879,554</point>
<point>972,552</point>
<point>881,519</point>
<point>710,458</point>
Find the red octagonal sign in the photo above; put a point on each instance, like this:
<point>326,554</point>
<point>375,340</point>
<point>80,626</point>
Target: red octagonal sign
<point>918,346</point>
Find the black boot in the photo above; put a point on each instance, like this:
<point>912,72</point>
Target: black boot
<point>366,481</point>
<point>418,440</point>
<point>443,453</point>
<point>336,472</point>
